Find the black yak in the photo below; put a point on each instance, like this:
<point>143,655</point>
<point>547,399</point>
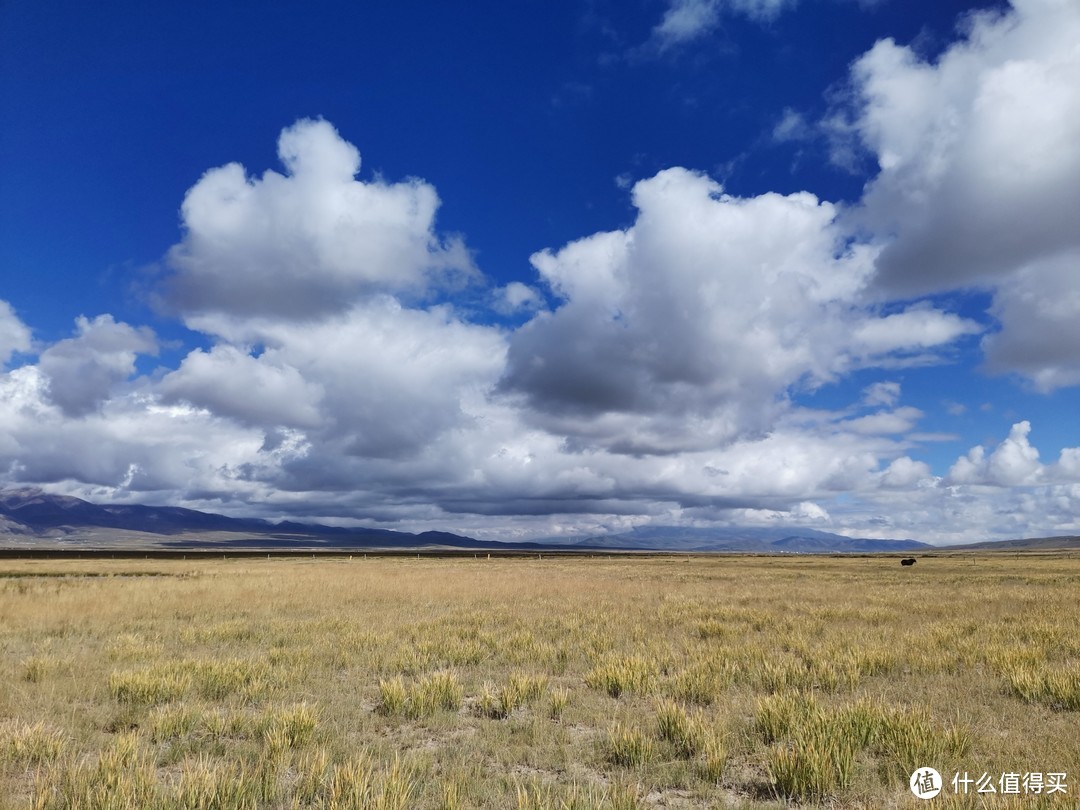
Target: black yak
<point>908,561</point>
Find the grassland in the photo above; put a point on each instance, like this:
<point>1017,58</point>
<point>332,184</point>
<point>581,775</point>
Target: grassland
<point>533,683</point>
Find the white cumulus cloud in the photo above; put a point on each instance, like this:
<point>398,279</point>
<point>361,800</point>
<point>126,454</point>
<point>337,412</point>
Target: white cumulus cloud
<point>978,182</point>
<point>1014,462</point>
<point>979,149</point>
<point>688,329</point>
<point>307,242</point>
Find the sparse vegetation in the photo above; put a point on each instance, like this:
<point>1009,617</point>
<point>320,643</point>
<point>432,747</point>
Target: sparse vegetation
<point>562,683</point>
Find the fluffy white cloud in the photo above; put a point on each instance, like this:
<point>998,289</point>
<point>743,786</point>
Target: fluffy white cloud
<point>308,242</point>
<point>1069,464</point>
<point>82,371</point>
<point>978,185</point>
<point>918,327</point>
<point>297,280</point>
<point>979,150</point>
<point>14,334</point>
<point>687,329</point>
<point>1013,463</point>
<point>904,473</point>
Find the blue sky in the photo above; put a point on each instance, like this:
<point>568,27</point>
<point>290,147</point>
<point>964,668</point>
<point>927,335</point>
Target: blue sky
<point>539,269</point>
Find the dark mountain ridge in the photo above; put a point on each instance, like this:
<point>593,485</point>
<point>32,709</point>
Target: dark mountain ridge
<point>32,517</point>
<point>36,513</point>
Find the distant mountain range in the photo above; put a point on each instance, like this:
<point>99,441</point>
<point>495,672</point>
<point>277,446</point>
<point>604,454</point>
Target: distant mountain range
<point>32,515</point>
<point>1058,543</point>
<point>31,518</point>
<point>747,539</point>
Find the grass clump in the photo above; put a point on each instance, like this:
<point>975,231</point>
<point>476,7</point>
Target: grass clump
<point>393,697</point>
<point>122,777</point>
<point>778,716</point>
<point>397,788</point>
<point>818,763</point>
<point>702,683</point>
<point>289,726</point>
<point>618,675</point>
<point>439,691</point>
<point>684,731</point>
<point>208,784</point>
<point>36,667</point>
<point>151,686</point>
<point>432,693</point>
<point>350,786</point>
<point>809,674</point>
<point>559,699</point>
<point>311,767</point>
<point>354,785</point>
<point>1056,688</point>
<point>528,688</point>
<point>30,743</point>
<point>714,757</point>
<point>173,721</point>
<point>813,751</point>
<point>814,746</point>
<point>500,703</point>
<point>217,680</point>
<point>537,795</point>
<point>628,746</point>
<point>910,738</point>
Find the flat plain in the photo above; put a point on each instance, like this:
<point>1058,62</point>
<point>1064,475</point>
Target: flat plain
<point>554,682</point>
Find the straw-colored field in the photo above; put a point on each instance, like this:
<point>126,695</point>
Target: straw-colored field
<point>536,683</point>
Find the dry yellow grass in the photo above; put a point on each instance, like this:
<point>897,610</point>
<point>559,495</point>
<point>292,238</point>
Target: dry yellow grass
<point>555,683</point>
